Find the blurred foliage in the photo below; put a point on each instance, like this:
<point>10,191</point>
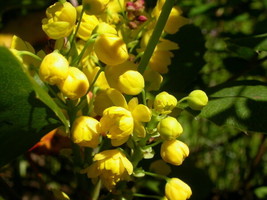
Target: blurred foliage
<point>223,51</point>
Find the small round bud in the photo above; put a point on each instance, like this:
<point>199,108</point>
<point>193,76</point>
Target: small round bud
<point>75,85</point>
<point>164,103</point>
<point>85,131</point>
<point>169,128</point>
<point>131,82</point>
<point>176,189</point>
<point>197,99</point>
<point>111,49</point>
<point>54,68</point>
<point>174,151</point>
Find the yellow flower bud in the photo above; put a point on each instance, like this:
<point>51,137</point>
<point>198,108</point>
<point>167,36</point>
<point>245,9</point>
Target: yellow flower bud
<point>60,21</point>
<point>174,151</point>
<point>94,7</point>
<point>113,72</point>
<point>175,21</point>
<point>118,124</point>
<point>110,166</point>
<point>164,103</point>
<point>105,28</point>
<point>107,98</point>
<point>197,99</point>
<point>87,25</point>
<point>176,189</point>
<point>169,128</point>
<point>111,49</point>
<point>85,131</point>
<point>54,68</point>
<point>75,85</point>
<point>131,82</point>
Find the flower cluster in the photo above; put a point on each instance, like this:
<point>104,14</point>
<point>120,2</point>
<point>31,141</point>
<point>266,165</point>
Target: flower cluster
<point>95,74</point>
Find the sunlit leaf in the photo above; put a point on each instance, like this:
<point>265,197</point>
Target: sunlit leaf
<point>241,104</point>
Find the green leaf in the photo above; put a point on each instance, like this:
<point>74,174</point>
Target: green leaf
<point>256,42</point>
<point>24,119</point>
<point>240,104</point>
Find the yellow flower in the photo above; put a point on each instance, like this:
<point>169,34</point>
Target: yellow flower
<point>169,128</point>
<point>113,10</point>
<point>54,68</point>
<point>140,113</point>
<point>60,21</point>
<point>174,151</point>
<point>110,49</point>
<point>111,166</point>
<point>176,189</point>
<point>197,99</point>
<point>164,103</point>
<point>125,78</point>
<point>85,131</point>
<point>153,79</point>
<point>75,85</point>
<point>94,7</point>
<point>175,21</point>
<point>87,25</point>
<point>161,57</point>
<point>117,123</point>
<point>107,98</point>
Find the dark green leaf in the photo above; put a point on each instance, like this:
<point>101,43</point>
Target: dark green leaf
<point>256,42</point>
<point>241,104</point>
<point>24,118</point>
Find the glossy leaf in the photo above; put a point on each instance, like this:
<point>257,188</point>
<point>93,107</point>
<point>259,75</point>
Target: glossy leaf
<point>24,119</point>
<point>241,104</point>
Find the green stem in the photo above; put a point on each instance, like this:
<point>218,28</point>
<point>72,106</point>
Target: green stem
<point>96,191</point>
<point>156,175</point>
<point>166,9</point>
<point>153,144</point>
<point>95,79</point>
<point>147,196</point>
<point>183,99</point>
<point>79,57</point>
<point>76,31</point>
<point>144,97</point>
<point>21,53</point>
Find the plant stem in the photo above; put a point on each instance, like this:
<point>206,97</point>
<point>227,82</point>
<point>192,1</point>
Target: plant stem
<point>76,60</point>
<point>21,53</point>
<point>96,191</point>
<point>144,97</point>
<point>156,175</point>
<point>166,9</point>
<point>72,39</point>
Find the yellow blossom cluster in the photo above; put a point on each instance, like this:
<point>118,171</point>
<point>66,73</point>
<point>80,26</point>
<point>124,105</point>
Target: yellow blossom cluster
<point>93,74</point>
